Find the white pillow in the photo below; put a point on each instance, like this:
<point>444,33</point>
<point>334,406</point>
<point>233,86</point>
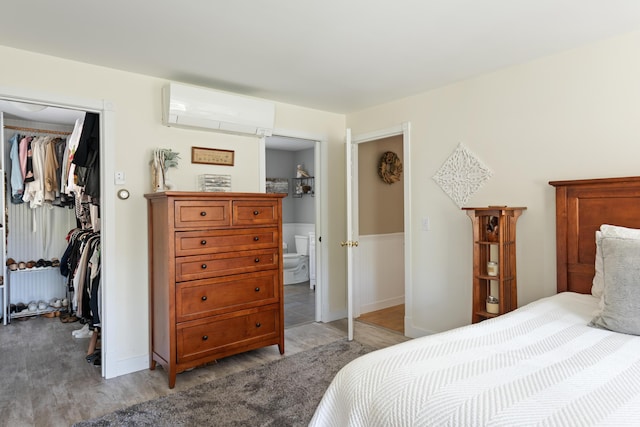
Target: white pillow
<point>607,230</point>
<point>621,296</point>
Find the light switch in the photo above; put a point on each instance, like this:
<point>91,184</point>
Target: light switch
<point>119,178</point>
<point>426,223</point>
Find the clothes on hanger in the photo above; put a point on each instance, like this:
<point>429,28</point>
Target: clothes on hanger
<point>81,265</point>
<point>49,170</point>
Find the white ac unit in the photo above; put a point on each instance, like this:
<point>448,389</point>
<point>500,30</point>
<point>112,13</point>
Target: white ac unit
<point>196,107</point>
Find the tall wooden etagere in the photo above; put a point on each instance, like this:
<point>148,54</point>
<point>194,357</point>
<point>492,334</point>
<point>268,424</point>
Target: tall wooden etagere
<point>495,289</point>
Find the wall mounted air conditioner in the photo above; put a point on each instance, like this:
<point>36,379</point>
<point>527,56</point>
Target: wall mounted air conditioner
<point>196,107</point>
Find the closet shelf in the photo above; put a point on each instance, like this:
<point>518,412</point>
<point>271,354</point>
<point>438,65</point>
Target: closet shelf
<point>37,312</point>
<point>32,269</point>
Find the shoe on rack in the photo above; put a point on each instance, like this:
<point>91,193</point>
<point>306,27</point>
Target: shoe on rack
<point>31,264</point>
<point>40,263</point>
<point>55,303</point>
<point>42,305</point>
<point>55,262</point>
<point>22,265</point>
<point>33,306</point>
<point>10,261</point>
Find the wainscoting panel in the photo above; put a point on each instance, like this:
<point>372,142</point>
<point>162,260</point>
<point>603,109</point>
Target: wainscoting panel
<point>380,271</point>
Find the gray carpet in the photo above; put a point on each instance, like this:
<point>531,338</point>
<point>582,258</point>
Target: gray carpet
<point>280,393</point>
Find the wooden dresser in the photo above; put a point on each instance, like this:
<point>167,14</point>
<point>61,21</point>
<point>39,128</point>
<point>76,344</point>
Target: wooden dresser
<point>215,276</point>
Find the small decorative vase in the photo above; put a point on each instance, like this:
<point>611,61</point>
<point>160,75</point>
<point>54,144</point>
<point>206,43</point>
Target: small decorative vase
<point>169,185</point>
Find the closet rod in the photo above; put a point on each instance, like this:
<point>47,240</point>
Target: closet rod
<point>54,132</point>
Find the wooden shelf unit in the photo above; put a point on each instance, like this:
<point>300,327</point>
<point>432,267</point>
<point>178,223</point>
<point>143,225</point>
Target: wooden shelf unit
<point>499,247</point>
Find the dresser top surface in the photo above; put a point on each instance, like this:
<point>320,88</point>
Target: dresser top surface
<point>212,195</point>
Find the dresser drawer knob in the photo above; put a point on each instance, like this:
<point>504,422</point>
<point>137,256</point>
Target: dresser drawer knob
<point>258,324</point>
<point>205,337</point>
<point>203,213</point>
<point>204,298</point>
<point>257,289</point>
<point>203,266</point>
<point>256,212</point>
<point>203,242</point>
<point>257,260</point>
<point>255,239</point>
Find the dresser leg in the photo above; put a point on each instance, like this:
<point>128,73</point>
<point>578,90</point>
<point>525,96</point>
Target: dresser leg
<point>281,348</point>
<point>172,377</point>
<point>152,364</point>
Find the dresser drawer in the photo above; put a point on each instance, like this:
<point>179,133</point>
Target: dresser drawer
<point>225,264</point>
<point>207,242</point>
<point>208,297</point>
<point>205,213</point>
<point>223,333</point>
<point>255,212</point>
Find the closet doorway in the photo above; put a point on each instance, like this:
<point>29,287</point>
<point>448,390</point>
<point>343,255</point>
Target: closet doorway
<point>38,115</point>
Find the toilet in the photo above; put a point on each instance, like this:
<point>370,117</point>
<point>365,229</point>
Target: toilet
<point>296,265</point>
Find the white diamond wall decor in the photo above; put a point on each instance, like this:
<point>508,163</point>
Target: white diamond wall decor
<point>461,175</point>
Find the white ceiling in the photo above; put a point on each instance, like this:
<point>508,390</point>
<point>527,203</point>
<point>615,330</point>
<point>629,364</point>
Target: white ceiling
<point>334,55</point>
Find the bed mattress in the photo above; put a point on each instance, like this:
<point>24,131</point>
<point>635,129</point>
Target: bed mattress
<point>538,365</point>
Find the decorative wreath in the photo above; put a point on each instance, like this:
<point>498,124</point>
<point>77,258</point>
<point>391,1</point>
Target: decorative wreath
<point>390,168</point>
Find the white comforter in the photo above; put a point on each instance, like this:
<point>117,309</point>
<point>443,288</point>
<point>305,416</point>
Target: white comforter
<point>539,365</point>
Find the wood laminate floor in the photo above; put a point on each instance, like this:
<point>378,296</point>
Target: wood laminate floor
<point>390,318</point>
<point>46,381</point>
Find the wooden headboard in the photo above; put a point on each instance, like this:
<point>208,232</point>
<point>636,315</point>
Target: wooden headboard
<point>581,207</point>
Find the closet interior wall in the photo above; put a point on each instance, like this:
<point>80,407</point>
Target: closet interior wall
<point>35,233</point>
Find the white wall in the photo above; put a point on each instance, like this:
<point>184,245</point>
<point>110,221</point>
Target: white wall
<point>138,130</point>
<point>569,116</point>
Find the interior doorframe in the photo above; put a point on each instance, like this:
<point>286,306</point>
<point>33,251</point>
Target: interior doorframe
<point>403,129</point>
<point>320,155</point>
<point>107,220</point>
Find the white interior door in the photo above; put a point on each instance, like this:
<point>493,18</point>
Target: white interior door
<point>350,243</point>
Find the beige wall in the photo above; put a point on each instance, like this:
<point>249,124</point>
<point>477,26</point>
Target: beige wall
<point>380,205</point>
<point>568,116</point>
<point>138,130</point>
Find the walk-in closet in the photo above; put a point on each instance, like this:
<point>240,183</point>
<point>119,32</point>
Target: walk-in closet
<point>51,223</point>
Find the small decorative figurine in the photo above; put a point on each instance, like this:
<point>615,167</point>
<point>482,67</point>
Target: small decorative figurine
<point>301,173</point>
<point>492,229</point>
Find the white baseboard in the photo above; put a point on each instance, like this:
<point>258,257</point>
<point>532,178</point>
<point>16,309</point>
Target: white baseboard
<point>411,331</point>
<point>379,305</point>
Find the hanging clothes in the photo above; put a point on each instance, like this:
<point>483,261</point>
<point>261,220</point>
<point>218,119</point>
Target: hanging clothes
<point>34,188</point>
<point>81,265</point>
<point>17,180</point>
<point>87,156</point>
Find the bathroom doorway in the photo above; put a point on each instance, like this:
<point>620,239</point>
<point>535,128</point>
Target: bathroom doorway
<point>291,166</point>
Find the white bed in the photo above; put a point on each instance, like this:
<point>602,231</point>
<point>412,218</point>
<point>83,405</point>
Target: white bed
<point>541,364</point>
<point>538,365</point>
